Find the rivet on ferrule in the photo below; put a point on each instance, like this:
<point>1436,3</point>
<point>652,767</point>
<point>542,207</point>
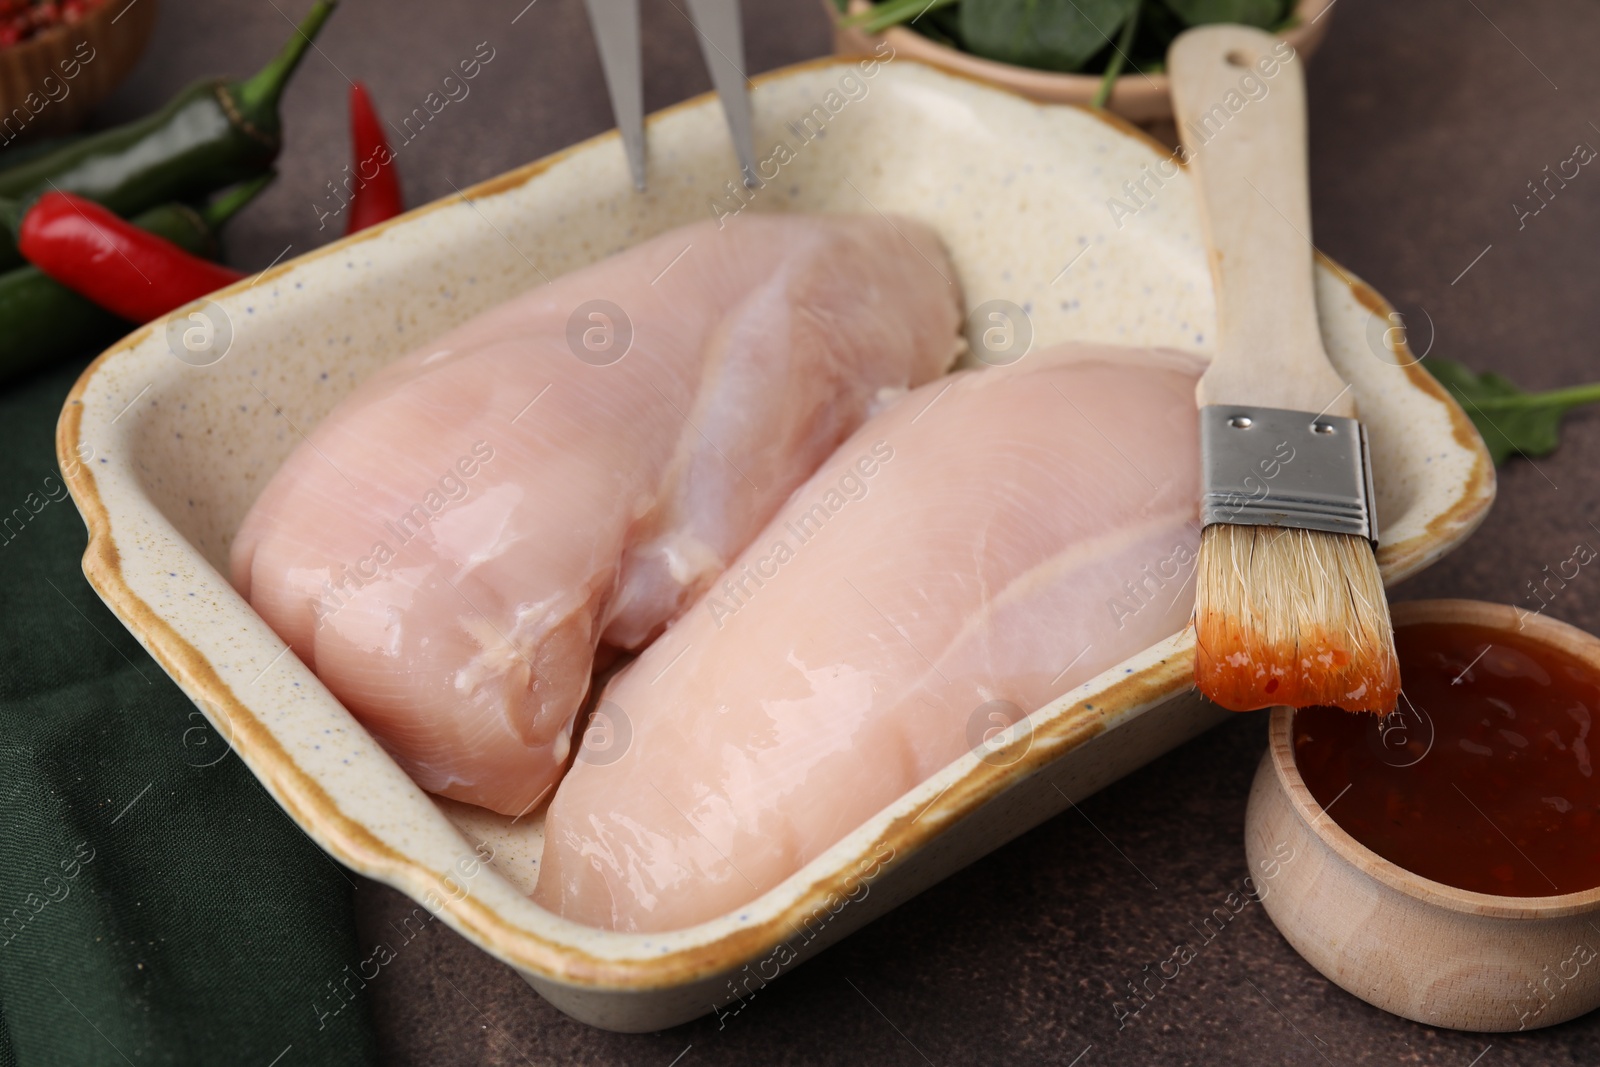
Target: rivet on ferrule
<point>1272,467</point>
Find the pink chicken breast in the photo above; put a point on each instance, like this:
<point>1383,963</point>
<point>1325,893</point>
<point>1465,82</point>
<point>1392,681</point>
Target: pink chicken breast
<point>988,543</point>
<point>453,542</point>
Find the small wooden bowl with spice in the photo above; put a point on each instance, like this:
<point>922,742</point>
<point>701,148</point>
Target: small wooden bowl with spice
<point>1444,863</point>
<point>53,77</point>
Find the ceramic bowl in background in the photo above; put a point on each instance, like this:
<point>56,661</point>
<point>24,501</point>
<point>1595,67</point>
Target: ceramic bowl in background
<point>1418,948</point>
<point>1141,98</point>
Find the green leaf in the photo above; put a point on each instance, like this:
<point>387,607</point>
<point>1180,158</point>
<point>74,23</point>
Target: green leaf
<point>943,26</point>
<point>1262,13</point>
<point>1114,64</point>
<point>1059,35</point>
<point>1158,28</point>
<point>1510,421</point>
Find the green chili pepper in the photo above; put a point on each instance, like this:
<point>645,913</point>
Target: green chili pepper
<point>208,137</point>
<point>16,156</point>
<point>41,320</point>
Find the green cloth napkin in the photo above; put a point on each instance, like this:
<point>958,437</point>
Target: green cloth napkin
<point>156,906</point>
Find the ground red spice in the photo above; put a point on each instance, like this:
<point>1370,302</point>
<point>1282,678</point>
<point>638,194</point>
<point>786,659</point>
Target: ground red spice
<point>22,19</point>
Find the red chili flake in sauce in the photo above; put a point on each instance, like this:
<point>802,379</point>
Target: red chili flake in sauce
<point>1483,777</point>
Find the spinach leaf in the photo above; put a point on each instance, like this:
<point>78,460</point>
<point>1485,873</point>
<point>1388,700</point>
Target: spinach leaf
<point>1158,27</point>
<point>1510,421</point>
<point>1057,35</point>
<point>942,24</point>
<point>1119,55</point>
<point>1262,13</point>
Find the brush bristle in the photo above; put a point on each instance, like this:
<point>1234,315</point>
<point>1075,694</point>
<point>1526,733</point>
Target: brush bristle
<point>1296,617</point>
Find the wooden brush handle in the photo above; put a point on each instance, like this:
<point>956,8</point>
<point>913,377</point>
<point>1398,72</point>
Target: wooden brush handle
<point>1245,135</point>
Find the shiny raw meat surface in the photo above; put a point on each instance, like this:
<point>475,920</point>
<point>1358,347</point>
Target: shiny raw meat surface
<point>1001,536</point>
<point>455,539</point>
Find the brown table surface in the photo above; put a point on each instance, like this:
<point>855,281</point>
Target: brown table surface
<point>1428,119</point>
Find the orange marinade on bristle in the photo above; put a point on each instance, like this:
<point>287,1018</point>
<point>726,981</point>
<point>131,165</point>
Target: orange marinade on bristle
<point>1284,615</point>
<point>1320,670</point>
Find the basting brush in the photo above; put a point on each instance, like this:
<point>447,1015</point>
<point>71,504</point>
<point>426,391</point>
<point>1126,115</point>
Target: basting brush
<point>1289,604</point>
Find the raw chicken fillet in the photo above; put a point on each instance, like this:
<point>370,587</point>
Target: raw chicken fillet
<point>453,542</point>
<point>990,542</point>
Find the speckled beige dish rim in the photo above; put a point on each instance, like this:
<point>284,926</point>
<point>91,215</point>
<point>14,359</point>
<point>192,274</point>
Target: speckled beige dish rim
<point>305,800</point>
<point>1389,873</point>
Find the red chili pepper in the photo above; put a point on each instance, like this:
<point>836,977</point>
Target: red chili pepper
<point>377,193</point>
<point>126,270</point>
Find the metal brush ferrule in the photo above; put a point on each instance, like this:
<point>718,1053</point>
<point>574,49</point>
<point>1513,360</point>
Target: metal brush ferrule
<point>1271,467</point>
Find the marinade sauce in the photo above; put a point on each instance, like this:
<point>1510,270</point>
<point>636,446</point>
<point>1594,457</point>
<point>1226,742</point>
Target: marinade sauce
<point>1484,776</point>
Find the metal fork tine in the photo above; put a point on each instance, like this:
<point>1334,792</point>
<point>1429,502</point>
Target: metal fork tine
<point>616,31</point>
<point>722,44</point>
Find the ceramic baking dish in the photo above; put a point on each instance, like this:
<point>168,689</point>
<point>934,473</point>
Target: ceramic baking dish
<point>175,449</point>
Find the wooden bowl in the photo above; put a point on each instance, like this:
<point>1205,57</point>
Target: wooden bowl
<point>1142,98</point>
<point>50,83</point>
<point>1409,945</point>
